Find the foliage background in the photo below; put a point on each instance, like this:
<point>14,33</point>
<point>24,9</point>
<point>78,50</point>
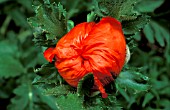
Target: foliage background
<point>19,57</point>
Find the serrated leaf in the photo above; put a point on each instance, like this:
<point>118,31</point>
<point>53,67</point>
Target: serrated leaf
<point>133,26</point>
<point>58,90</point>
<point>127,7</point>
<point>10,67</point>
<point>49,24</point>
<point>148,5</point>
<point>45,69</point>
<point>122,10</point>
<point>110,103</point>
<point>69,102</point>
<point>119,9</point>
<point>99,103</point>
<point>46,79</point>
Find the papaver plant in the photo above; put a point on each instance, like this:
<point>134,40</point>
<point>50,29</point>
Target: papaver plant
<point>88,59</point>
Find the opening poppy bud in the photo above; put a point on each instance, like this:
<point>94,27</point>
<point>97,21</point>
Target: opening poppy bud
<point>97,48</point>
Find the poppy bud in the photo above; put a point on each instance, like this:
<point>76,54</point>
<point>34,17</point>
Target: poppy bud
<point>97,48</point>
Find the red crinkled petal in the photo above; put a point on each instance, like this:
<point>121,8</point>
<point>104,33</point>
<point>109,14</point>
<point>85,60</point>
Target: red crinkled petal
<point>89,47</point>
<point>48,54</point>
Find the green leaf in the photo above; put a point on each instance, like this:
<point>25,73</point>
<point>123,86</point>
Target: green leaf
<point>148,5</point>
<point>45,69</point>
<point>58,90</point>
<point>7,86</point>
<point>17,15</point>
<point>49,24</point>
<point>157,31</point>
<point>165,104</point>
<point>8,48</point>
<point>10,67</point>
<point>27,4</point>
<point>70,25</point>
<point>5,25</point>
<point>46,79</point>
<point>148,97</point>
<point>91,17</point>
<point>73,7</point>
<point>132,80</point>
<point>47,101</point>
<point>22,36</point>
<point>122,10</point>
<point>99,103</point>
<point>69,102</point>
<point>23,98</point>
<point>123,93</point>
<point>119,9</point>
<point>133,26</point>
<point>137,36</point>
<point>149,33</point>
<point>29,97</point>
<point>2,1</point>
<point>160,33</point>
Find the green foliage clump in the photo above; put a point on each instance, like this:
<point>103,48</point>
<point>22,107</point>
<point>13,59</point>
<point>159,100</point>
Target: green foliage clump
<point>142,84</point>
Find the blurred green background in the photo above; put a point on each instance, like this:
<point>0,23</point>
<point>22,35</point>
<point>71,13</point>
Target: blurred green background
<point>19,56</point>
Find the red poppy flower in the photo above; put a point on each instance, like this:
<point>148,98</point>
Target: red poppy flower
<point>97,48</point>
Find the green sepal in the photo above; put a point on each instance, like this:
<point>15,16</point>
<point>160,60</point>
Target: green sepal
<point>85,85</point>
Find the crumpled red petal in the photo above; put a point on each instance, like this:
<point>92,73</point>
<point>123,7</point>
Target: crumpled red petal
<point>90,48</point>
<point>48,54</point>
